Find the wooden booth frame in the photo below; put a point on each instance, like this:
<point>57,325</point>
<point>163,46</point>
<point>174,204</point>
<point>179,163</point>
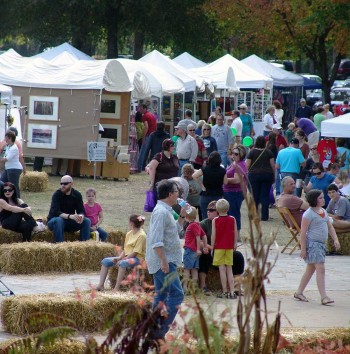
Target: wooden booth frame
<point>43,108</point>
<point>42,136</point>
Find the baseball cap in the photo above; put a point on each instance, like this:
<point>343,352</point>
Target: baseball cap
<point>181,126</point>
<point>277,126</point>
<point>294,141</point>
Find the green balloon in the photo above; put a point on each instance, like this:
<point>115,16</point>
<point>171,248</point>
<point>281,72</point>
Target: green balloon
<point>247,141</point>
<point>234,131</point>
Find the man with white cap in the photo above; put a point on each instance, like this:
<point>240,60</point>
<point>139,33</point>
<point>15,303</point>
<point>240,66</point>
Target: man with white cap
<point>303,111</point>
<point>238,125</point>
<point>281,142</point>
<point>186,146</point>
<point>247,121</point>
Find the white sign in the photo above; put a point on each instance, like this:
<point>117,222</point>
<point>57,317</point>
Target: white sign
<point>96,151</point>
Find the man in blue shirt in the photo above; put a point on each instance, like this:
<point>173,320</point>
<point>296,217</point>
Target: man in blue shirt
<point>164,255</point>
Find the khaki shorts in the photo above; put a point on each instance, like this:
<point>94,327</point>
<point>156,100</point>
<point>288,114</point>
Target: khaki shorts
<point>223,257</point>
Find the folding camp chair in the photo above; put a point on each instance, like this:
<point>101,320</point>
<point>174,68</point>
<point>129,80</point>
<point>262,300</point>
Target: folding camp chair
<point>4,289</point>
<point>292,226</point>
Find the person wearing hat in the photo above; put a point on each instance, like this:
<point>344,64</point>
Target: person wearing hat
<point>303,111</point>
<point>247,121</point>
<point>269,120</point>
<point>238,125</point>
<point>290,159</point>
<point>186,147</point>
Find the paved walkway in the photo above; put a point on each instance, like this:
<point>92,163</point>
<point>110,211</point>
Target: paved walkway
<point>284,280</point>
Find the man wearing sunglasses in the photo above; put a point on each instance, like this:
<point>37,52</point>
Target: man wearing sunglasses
<point>67,212</point>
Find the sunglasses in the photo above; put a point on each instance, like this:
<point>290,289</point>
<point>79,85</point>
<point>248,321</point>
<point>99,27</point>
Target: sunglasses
<point>236,153</point>
<point>8,190</point>
<point>206,129</point>
<point>317,173</point>
<point>211,210</point>
<point>313,148</point>
<point>191,130</point>
<point>65,183</point>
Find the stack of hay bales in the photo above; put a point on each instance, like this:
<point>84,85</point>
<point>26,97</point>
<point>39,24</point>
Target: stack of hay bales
<point>43,257</point>
<point>34,181</point>
<point>344,240</point>
<point>7,236</point>
<point>88,311</point>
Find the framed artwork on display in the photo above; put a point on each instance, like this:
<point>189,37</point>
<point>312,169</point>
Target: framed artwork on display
<point>112,131</point>
<point>16,101</point>
<point>42,136</point>
<point>110,106</point>
<point>43,108</point>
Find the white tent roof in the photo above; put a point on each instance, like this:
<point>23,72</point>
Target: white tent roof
<point>280,76</point>
<point>188,61</point>
<point>66,49</point>
<point>190,80</point>
<point>5,95</point>
<point>336,127</point>
<point>245,76</point>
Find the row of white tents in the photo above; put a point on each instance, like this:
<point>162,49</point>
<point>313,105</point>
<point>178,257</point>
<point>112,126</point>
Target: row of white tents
<point>64,67</point>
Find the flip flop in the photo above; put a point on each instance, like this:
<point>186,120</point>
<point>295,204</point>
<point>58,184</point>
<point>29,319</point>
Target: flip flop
<point>300,297</point>
<point>327,301</point>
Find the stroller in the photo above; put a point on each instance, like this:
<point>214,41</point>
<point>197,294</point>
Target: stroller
<point>4,289</point>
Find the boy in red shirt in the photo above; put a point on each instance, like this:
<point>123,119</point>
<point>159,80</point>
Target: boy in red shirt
<point>195,237</point>
<point>223,239</point>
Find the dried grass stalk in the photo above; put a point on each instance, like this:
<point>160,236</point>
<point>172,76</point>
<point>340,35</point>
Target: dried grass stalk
<point>88,312</point>
<point>43,257</point>
<point>34,181</point>
<point>7,236</point>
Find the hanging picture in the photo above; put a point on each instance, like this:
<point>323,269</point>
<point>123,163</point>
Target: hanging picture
<point>43,108</point>
<point>110,106</point>
<point>42,136</point>
<point>112,131</point>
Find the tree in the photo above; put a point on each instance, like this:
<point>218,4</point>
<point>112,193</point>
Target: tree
<point>313,29</point>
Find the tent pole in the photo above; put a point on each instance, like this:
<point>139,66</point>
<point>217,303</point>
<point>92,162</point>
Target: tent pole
<point>183,106</point>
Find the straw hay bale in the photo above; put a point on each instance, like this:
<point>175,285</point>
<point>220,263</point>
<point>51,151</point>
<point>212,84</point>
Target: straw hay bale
<point>67,346</point>
<point>89,311</point>
<point>43,257</point>
<point>7,236</point>
<point>344,240</point>
<point>34,181</point>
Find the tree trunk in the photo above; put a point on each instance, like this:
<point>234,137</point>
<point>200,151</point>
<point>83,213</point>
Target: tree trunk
<point>139,40</point>
<point>112,17</point>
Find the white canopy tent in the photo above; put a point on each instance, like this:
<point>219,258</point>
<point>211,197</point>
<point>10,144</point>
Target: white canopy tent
<point>280,76</point>
<point>188,61</point>
<point>190,80</point>
<point>5,106</point>
<point>336,127</point>
<point>245,76</point>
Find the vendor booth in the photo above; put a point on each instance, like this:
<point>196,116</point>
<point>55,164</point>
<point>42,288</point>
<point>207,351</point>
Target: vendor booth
<point>336,127</point>
<point>287,87</point>
<point>5,106</point>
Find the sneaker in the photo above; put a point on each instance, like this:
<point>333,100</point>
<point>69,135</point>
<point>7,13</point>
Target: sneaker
<point>221,295</point>
<point>206,291</point>
<point>39,228</point>
<point>231,296</point>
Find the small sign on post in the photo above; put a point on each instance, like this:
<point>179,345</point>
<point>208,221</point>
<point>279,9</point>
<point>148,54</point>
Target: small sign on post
<point>96,151</point>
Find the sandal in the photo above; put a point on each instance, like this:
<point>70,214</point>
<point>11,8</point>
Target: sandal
<point>327,301</point>
<point>300,297</point>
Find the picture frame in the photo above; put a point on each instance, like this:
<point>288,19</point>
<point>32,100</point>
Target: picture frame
<point>42,136</point>
<point>112,131</point>
<point>43,108</point>
<point>110,106</point>
<point>16,101</point>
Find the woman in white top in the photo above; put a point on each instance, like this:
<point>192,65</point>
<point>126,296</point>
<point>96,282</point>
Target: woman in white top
<point>13,167</point>
<point>279,112</point>
<point>269,120</point>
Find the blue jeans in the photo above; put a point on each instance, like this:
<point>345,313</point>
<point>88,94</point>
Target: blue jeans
<point>103,234</point>
<point>141,162</point>
<point>224,159</point>
<point>261,184</point>
<point>109,262</point>
<point>278,182</point>
<point>235,199</point>
<point>59,226</point>
<point>169,291</point>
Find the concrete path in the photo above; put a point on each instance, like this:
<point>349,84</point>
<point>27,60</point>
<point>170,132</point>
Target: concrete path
<point>283,282</point>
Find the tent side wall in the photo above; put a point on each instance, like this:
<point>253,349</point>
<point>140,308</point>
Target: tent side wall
<point>78,119</point>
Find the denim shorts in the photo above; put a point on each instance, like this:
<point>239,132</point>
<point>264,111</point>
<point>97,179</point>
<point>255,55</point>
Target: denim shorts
<point>125,263</point>
<point>191,259</point>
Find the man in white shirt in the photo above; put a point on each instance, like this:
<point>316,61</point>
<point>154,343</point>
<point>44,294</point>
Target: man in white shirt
<point>238,125</point>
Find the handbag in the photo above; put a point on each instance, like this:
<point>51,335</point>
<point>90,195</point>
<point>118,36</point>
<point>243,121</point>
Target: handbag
<point>256,160</point>
<point>150,201</point>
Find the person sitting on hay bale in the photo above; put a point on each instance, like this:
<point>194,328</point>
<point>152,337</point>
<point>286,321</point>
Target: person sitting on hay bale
<point>15,215</point>
<point>134,252</point>
<point>67,212</point>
